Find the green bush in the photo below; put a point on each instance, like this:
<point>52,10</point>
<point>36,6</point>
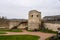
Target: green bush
<point>53,38</point>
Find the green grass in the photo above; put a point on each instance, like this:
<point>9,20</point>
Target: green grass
<point>30,30</point>
<point>44,31</point>
<point>14,30</point>
<point>2,31</point>
<point>48,31</point>
<point>19,37</point>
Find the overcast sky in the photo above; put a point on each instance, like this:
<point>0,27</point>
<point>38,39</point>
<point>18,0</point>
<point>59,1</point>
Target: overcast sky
<point>20,8</point>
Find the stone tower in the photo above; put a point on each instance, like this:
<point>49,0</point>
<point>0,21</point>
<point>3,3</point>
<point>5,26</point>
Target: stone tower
<point>34,20</point>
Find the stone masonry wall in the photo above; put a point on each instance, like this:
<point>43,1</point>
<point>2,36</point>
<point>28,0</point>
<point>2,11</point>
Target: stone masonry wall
<point>52,26</point>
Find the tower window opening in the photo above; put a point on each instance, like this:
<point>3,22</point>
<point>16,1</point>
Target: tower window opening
<point>37,15</point>
<point>31,15</point>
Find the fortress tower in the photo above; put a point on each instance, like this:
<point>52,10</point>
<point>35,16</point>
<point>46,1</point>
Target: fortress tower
<point>34,20</point>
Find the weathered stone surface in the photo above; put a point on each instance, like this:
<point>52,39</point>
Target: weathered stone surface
<point>52,26</point>
<point>34,20</point>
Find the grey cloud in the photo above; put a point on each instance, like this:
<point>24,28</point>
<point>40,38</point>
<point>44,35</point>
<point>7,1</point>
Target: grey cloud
<point>20,8</point>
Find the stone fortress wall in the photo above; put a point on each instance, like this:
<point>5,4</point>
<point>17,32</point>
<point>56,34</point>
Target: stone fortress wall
<point>52,26</point>
<point>33,22</point>
<point>52,22</point>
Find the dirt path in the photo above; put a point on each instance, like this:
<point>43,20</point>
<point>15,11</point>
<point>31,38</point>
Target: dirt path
<point>43,36</point>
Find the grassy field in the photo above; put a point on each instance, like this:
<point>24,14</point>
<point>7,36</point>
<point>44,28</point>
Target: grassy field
<point>45,31</point>
<point>14,30</point>
<point>2,31</point>
<point>19,37</point>
<point>48,31</point>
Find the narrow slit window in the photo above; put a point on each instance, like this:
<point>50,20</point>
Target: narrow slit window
<point>37,15</point>
<point>31,15</point>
